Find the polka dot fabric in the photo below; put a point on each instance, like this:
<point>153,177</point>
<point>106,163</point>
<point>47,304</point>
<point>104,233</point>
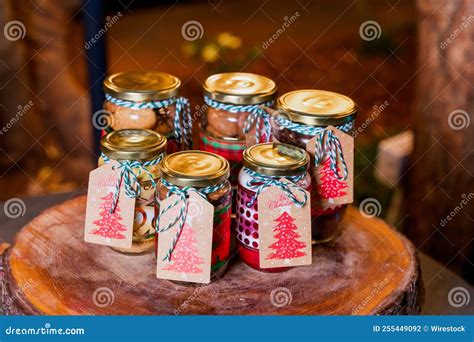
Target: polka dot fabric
<point>247,218</point>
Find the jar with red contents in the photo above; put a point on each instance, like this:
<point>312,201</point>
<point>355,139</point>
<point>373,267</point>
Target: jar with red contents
<point>235,117</point>
<point>147,100</point>
<point>198,171</point>
<point>302,115</point>
<point>272,161</point>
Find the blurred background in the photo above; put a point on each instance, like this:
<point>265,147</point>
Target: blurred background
<point>407,64</point>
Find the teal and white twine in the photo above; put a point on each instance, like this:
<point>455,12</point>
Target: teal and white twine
<point>261,182</point>
<point>183,196</point>
<point>182,118</point>
<point>130,170</point>
<point>257,115</point>
<point>327,143</point>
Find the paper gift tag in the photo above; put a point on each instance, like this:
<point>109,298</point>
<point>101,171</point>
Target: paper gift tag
<point>191,257</point>
<point>330,190</point>
<point>103,227</point>
<point>284,229</point>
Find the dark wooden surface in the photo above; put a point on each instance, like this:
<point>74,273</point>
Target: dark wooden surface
<point>438,280</point>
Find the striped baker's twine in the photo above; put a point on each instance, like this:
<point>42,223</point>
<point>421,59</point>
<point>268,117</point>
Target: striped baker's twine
<point>260,182</point>
<point>326,143</point>
<point>257,115</point>
<point>183,196</point>
<point>182,118</point>
<point>130,170</point>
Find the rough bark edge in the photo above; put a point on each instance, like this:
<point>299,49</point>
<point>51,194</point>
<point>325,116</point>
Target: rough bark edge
<point>410,299</point>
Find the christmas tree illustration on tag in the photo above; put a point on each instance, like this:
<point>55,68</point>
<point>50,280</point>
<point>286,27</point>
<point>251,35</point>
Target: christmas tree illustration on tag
<point>334,177</point>
<point>190,260</point>
<point>104,224</point>
<point>284,228</point>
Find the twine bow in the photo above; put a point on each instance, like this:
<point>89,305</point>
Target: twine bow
<point>326,144</point>
<point>130,178</point>
<point>182,119</point>
<point>262,182</point>
<point>180,219</point>
<point>257,115</point>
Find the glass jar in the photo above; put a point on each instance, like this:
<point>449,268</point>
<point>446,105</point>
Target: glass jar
<point>149,100</point>
<point>234,118</point>
<point>272,160</point>
<point>148,148</point>
<point>302,114</point>
<point>199,170</point>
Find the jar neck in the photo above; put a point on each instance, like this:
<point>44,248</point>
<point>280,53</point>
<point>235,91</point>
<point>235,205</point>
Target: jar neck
<point>148,104</point>
<point>252,180</point>
<point>310,129</point>
<point>155,160</point>
<point>185,190</point>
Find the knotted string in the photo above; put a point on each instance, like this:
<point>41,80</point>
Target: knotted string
<point>257,115</point>
<point>182,119</point>
<point>129,177</point>
<point>326,144</point>
<point>183,196</point>
<point>261,182</point>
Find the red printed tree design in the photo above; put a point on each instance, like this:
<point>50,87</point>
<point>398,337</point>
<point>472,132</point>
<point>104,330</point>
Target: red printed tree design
<point>329,186</point>
<point>109,226</point>
<point>184,258</point>
<point>287,245</point>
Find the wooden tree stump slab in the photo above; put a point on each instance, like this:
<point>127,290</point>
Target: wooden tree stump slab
<point>49,269</point>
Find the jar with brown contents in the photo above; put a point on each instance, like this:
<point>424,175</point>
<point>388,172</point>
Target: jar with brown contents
<point>149,100</point>
<point>235,117</point>
<point>302,115</point>
<point>143,150</point>
<point>208,174</point>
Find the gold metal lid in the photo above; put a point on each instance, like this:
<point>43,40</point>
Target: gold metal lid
<point>142,86</point>
<point>195,168</point>
<point>317,107</point>
<point>133,144</point>
<point>276,159</point>
<point>240,88</point>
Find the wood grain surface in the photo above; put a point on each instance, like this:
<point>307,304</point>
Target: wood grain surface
<point>371,269</point>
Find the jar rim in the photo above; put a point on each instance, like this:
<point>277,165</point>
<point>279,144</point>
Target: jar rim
<point>239,88</point>
<point>141,86</point>
<point>195,168</point>
<point>133,144</point>
<point>316,107</point>
<point>276,159</point>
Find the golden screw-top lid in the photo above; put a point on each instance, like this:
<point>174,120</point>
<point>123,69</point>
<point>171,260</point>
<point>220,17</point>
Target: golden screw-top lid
<point>142,86</point>
<point>240,88</point>
<point>195,168</point>
<point>317,107</point>
<point>276,159</point>
<point>133,144</point>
